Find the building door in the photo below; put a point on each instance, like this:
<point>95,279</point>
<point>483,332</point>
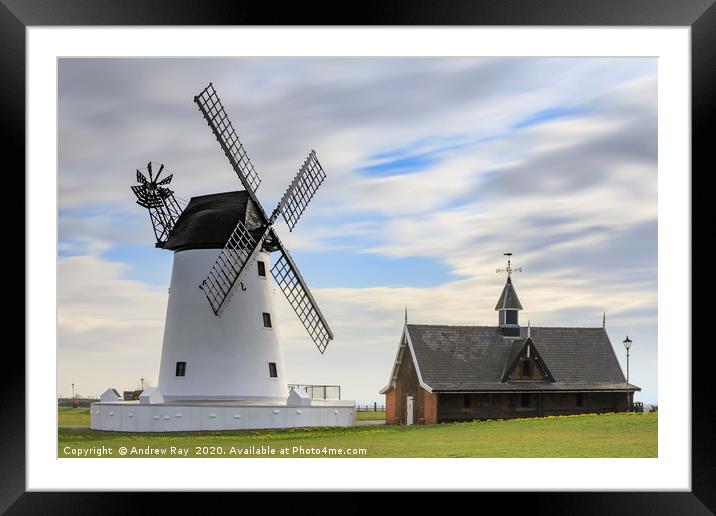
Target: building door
<point>409,411</point>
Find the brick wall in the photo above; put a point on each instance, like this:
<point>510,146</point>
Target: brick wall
<point>425,404</point>
<point>390,415</point>
<point>430,407</point>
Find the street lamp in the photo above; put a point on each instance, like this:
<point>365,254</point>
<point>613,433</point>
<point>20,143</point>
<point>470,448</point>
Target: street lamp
<point>627,346</point>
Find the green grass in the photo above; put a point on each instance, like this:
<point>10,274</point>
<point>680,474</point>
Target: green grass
<point>606,435</point>
<point>370,416</point>
<point>79,416</point>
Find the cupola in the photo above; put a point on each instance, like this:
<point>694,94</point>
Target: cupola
<point>508,306</point>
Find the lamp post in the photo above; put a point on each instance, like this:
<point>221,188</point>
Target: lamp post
<point>73,391</point>
<point>627,346</point>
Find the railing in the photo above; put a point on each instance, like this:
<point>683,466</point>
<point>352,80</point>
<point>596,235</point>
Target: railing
<point>370,408</point>
<point>319,392</point>
<point>68,402</point>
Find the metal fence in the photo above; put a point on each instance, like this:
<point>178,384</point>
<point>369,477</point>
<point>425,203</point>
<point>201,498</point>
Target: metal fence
<point>319,392</point>
<point>69,402</point>
<point>370,408</point>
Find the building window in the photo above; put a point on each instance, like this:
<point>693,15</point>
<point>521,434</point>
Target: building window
<point>526,368</point>
<point>525,400</point>
<point>273,372</point>
<point>262,268</point>
<point>181,368</point>
<point>580,399</point>
<point>466,401</point>
<point>511,316</point>
<point>267,320</point>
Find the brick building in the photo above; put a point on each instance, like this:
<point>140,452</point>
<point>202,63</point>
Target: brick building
<point>453,373</point>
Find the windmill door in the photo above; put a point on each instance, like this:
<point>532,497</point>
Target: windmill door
<point>409,410</point>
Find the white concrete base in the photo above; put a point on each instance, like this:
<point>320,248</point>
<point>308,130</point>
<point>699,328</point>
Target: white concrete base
<point>187,416</point>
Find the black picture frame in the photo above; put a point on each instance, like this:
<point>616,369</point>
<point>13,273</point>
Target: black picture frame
<point>699,15</point>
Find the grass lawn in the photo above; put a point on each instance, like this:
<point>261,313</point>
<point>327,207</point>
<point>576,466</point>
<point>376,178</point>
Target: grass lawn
<point>606,435</point>
<point>370,416</point>
<point>79,416</point>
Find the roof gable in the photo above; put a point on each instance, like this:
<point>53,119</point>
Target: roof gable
<point>524,348</point>
<point>405,352</point>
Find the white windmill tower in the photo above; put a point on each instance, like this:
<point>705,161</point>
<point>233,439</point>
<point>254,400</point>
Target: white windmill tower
<point>222,364</point>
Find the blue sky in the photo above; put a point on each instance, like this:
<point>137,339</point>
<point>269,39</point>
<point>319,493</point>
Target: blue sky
<point>435,168</point>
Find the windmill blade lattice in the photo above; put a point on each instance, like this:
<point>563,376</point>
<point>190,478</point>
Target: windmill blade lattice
<point>239,251</point>
<point>215,115</point>
<point>299,297</point>
<point>300,192</point>
<point>158,200</point>
<point>166,180</point>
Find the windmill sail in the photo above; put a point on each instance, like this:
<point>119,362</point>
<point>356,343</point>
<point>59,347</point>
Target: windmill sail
<point>240,250</point>
<point>293,286</point>
<point>300,192</point>
<point>215,115</point>
<point>164,210</point>
<point>166,180</point>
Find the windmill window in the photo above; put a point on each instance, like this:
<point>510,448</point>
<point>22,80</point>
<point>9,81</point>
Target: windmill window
<point>525,400</point>
<point>267,320</point>
<point>181,369</point>
<point>526,368</point>
<point>262,268</point>
<point>466,401</point>
<point>273,372</point>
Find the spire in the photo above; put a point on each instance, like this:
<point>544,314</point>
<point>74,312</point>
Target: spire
<point>509,304</point>
<point>508,299</point>
<point>604,320</point>
<point>529,327</point>
<point>406,315</point>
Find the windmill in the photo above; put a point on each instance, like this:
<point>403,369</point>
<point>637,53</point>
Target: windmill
<point>220,341</point>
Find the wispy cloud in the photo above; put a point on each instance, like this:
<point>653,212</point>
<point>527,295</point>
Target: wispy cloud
<point>435,168</point>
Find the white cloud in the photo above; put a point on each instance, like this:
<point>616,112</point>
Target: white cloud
<point>574,197</point>
<point>109,328</point>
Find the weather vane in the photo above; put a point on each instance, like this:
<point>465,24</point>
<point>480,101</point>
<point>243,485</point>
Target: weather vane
<point>509,270</point>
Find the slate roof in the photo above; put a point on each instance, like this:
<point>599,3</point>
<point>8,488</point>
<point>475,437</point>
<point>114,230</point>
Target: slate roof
<point>508,298</point>
<point>458,358</point>
<point>208,220</point>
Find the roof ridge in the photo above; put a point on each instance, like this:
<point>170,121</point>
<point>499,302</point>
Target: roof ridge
<point>216,194</point>
<point>497,327</point>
